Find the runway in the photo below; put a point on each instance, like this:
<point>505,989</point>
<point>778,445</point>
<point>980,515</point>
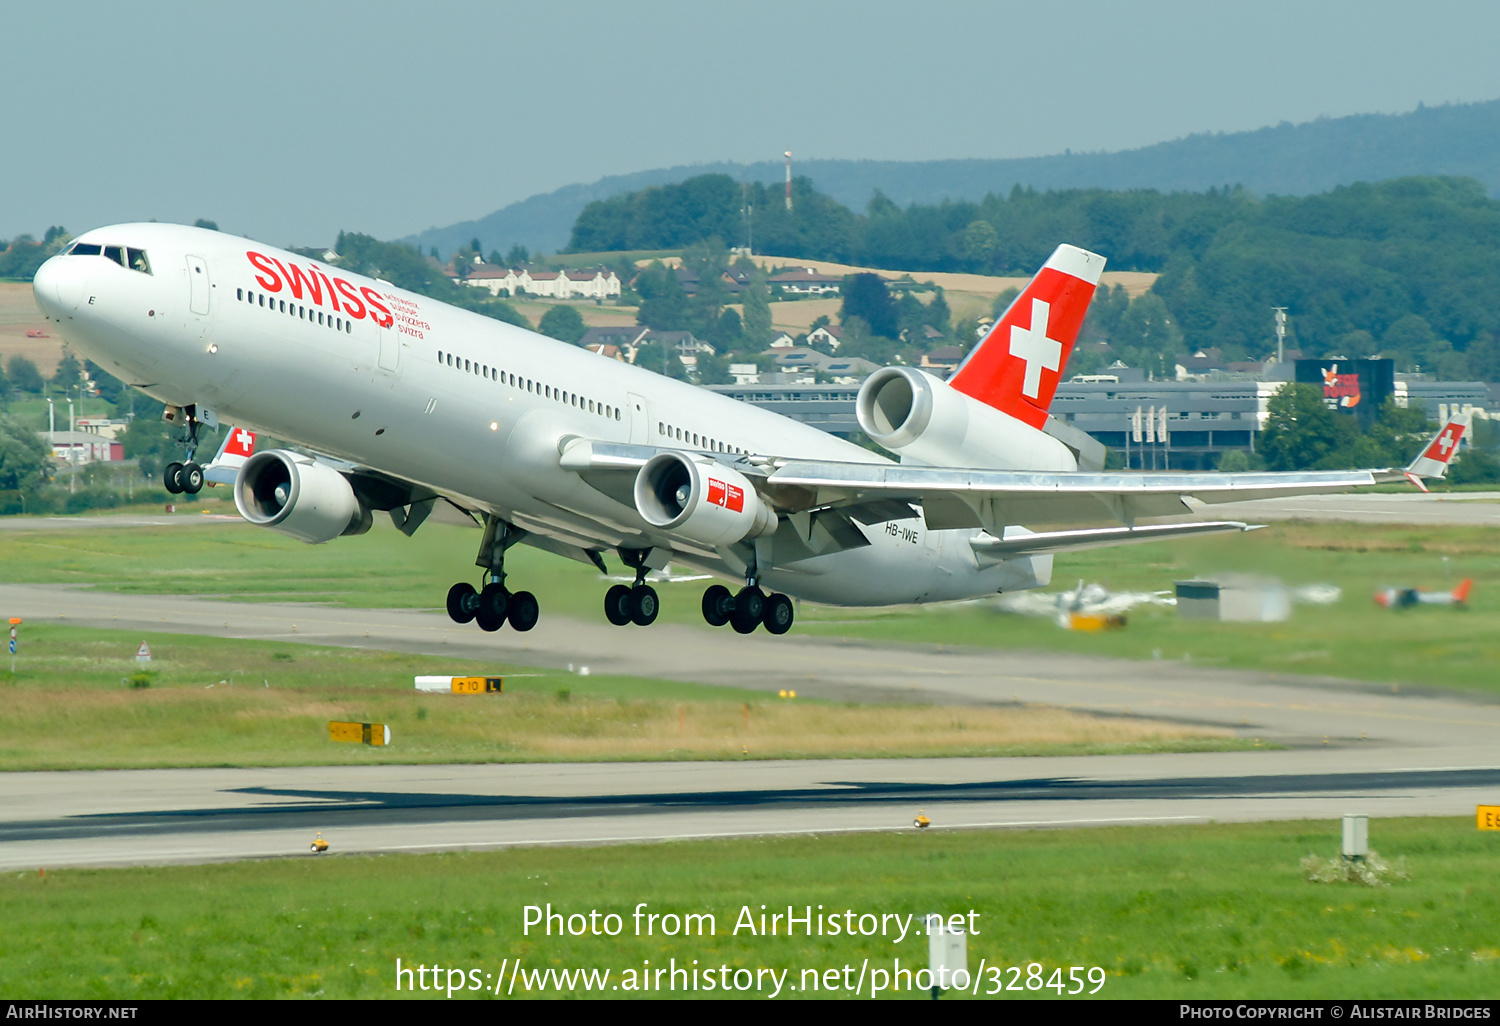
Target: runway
<point>1350,747</point>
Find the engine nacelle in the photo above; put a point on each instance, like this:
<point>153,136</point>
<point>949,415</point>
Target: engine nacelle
<point>703,502</point>
<point>912,413</point>
<point>296,495</point>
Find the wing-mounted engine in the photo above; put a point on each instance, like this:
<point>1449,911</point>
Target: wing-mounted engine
<point>701,501</point>
<point>912,413</point>
<point>296,495</point>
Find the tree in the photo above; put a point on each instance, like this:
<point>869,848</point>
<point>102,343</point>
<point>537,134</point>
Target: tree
<point>518,256</point>
<point>564,323</point>
<point>24,376</point>
<point>69,373</point>
<point>866,297</point>
<point>713,370</point>
<point>756,322</point>
<point>204,222</point>
<point>655,356</point>
<point>664,306</point>
<point>1302,433</point>
<point>23,456</point>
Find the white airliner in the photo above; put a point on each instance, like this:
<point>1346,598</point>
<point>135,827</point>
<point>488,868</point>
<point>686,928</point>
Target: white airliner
<point>407,405</point>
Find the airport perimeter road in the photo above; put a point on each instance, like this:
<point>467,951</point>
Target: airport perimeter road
<point>134,817</point>
<point>115,520</point>
<point>1289,710</point>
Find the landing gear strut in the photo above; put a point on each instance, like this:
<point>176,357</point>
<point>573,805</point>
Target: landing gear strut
<point>494,605</point>
<point>185,477</point>
<point>636,603</point>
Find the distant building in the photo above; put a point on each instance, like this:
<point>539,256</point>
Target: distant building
<point>806,281</point>
<point>591,284</point>
<point>943,358</point>
<point>85,447</point>
<point>830,335</point>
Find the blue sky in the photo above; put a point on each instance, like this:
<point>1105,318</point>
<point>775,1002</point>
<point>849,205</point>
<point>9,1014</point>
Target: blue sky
<point>290,121</point>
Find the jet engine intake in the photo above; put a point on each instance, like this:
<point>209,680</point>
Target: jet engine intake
<point>912,413</point>
<point>296,495</point>
<point>703,502</point>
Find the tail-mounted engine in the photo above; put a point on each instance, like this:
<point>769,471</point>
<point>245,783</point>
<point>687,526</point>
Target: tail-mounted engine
<point>703,502</point>
<point>296,495</point>
<point>912,413</point>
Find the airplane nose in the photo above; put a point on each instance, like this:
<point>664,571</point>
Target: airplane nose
<point>59,285</point>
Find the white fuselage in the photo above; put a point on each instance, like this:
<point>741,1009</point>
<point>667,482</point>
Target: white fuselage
<point>428,397</point>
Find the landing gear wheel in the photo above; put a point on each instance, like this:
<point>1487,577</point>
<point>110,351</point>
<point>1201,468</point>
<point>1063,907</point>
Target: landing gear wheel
<point>191,478</point>
<point>463,602</point>
<point>644,605</point>
<point>717,604</point>
<point>494,601</point>
<point>778,614</point>
<point>749,607</point>
<point>524,611</point>
<point>171,477</point>
<point>617,605</point>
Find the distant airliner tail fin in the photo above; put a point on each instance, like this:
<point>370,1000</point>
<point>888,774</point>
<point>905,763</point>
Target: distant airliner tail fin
<point>237,447</point>
<point>1017,367</point>
<point>1439,452</point>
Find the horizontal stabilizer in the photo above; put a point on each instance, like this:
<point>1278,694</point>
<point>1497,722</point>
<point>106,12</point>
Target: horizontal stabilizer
<point>1018,541</point>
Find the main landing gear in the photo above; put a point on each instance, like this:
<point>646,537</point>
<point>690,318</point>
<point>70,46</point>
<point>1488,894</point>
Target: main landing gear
<point>494,605</point>
<point>636,603</point>
<point>748,609</point>
<point>185,477</point>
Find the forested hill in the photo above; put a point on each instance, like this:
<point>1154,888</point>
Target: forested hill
<point>1288,160</point>
<point>1408,267</point>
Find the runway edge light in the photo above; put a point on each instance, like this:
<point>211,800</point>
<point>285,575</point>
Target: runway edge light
<point>1488,817</point>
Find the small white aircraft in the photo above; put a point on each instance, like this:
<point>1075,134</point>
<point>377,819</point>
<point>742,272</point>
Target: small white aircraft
<point>413,407</point>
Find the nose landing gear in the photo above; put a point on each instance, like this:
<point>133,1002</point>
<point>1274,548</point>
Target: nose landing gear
<point>188,476</point>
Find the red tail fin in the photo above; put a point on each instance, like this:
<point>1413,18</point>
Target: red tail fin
<point>1461,593</point>
<point>1018,365</point>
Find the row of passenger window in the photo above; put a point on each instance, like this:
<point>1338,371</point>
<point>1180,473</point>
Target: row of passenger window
<point>125,256</point>
<point>563,396</point>
<point>301,312</point>
<point>697,441</point>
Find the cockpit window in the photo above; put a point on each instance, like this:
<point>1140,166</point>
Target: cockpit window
<point>130,257</point>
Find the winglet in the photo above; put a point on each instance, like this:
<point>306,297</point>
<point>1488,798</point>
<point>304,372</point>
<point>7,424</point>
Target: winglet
<point>1016,369</point>
<point>1439,452</point>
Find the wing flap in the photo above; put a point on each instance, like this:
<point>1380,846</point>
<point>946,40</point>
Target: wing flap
<point>1017,542</point>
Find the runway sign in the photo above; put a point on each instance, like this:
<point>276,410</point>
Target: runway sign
<point>1489,817</point>
<point>461,685</point>
<point>359,733</point>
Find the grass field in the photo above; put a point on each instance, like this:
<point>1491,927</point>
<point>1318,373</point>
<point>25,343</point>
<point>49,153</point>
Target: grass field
<point>223,702</point>
<point>1217,911</point>
<point>1426,646</point>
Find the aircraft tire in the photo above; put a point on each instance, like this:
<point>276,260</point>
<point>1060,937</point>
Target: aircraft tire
<point>494,602</point>
<point>778,615</point>
<point>463,602</point>
<point>524,611</point>
<point>171,477</point>
<point>191,478</point>
<point>717,603</point>
<point>644,605</point>
<point>749,607</point>
<point>617,605</point>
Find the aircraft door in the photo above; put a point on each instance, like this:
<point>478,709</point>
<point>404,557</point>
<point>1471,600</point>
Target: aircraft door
<point>198,285</point>
<point>390,348</point>
<point>640,420</point>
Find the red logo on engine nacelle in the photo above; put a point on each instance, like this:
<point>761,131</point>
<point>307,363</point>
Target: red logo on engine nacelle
<point>315,286</point>
<point>729,496</point>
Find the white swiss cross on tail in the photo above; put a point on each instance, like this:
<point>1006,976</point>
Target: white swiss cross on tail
<point>240,443</point>
<point>1033,346</point>
<point>1018,365</point>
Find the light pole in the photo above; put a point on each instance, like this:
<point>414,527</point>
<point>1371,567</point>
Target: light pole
<point>72,463</point>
